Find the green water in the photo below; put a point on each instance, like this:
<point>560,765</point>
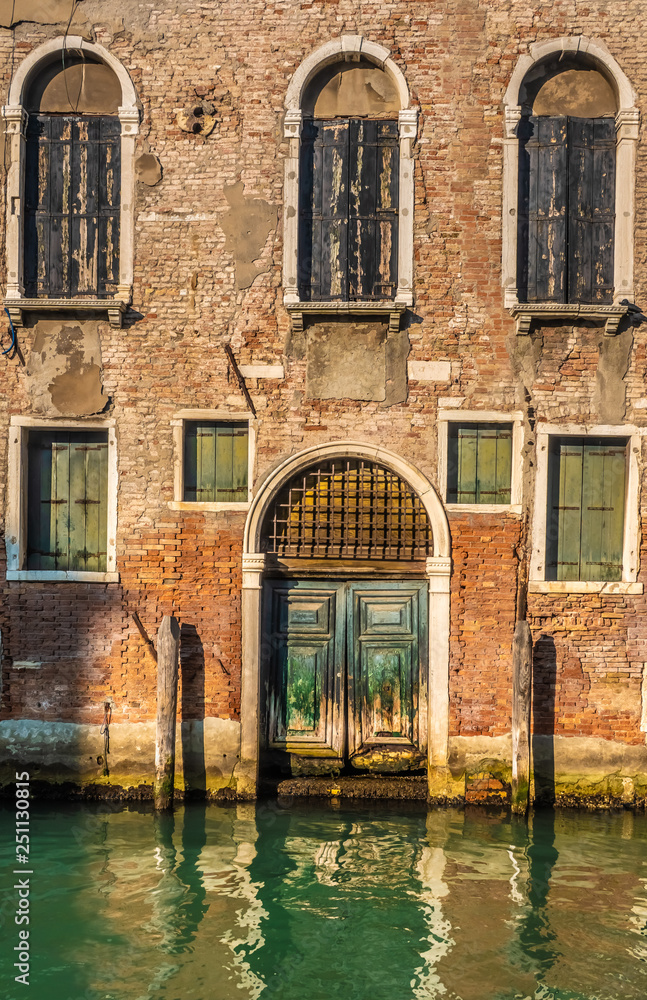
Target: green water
<point>327,902</point>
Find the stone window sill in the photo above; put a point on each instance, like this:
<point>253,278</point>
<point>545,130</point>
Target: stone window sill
<point>525,313</point>
<point>484,508</point>
<point>60,576</point>
<point>393,309</point>
<point>115,308</point>
<point>581,587</point>
<point>218,507</point>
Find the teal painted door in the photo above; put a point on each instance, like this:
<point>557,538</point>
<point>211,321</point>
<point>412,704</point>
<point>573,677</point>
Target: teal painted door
<point>347,670</point>
<point>304,703</point>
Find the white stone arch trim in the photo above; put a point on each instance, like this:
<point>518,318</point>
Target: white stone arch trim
<point>47,52</point>
<point>347,48</point>
<point>15,116</point>
<point>627,122</point>
<point>348,449</point>
<point>438,571</point>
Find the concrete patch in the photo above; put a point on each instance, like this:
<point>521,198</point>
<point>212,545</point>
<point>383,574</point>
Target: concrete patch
<point>356,361</point>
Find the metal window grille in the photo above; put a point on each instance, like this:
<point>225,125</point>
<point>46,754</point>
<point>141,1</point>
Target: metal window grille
<point>348,508</point>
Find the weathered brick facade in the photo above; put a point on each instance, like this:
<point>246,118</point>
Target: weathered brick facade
<point>208,258</point>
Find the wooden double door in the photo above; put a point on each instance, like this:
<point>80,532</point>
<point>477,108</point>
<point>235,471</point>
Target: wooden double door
<point>345,673</point>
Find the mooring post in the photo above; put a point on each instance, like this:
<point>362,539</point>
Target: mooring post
<point>168,648</point>
<point>521,687</point>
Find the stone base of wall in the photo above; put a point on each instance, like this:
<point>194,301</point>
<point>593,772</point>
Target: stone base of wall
<point>67,759</point>
<point>71,756</point>
<point>580,771</point>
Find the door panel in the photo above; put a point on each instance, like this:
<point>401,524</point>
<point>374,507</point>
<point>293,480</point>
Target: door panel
<point>386,705</point>
<point>387,652</point>
<point>305,669</point>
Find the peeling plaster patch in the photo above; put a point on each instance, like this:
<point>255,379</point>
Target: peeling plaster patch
<point>78,391</point>
<point>148,169</point>
<point>64,370</point>
<point>609,396</point>
<point>643,699</point>
<point>246,226</point>
<point>38,11</point>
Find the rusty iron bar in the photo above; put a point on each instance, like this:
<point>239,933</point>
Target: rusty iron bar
<point>240,379</point>
<point>144,634</point>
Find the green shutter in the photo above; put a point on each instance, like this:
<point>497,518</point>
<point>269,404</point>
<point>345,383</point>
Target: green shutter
<point>215,462</point>
<point>67,501</point>
<point>586,505</point>
<point>479,463</point>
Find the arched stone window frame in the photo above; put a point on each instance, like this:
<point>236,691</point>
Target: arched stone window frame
<point>348,48</point>
<point>438,572</point>
<point>592,53</point>
<point>15,116</point>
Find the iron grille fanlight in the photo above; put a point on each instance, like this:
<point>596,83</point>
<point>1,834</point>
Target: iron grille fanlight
<point>346,508</point>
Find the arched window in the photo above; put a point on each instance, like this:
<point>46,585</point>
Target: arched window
<point>72,120</point>
<point>568,188</point>
<point>349,184</point>
<point>348,508</point>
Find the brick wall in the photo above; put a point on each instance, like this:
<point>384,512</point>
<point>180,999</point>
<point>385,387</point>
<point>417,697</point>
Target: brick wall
<point>457,58</point>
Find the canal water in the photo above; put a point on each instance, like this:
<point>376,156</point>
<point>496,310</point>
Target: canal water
<point>299,901</point>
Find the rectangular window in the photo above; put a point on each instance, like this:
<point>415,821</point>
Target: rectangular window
<point>479,463</point>
<point>586,508</point>
<point>67,500</point>
<point>349,189</point>
<point>216,461</point>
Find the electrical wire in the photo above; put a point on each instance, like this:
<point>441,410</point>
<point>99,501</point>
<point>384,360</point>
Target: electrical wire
<point>13,334</point>
<point>75,4</point>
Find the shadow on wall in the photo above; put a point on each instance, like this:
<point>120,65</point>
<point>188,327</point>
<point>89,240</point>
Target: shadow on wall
<point>544,678</point>
<point>192,701</point>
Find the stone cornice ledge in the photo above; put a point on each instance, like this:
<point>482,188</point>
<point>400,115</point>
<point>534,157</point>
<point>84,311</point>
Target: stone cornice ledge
<point>584,587</point>
<point>525,313</point>
<point>114,307</point>
<point>394,309</point>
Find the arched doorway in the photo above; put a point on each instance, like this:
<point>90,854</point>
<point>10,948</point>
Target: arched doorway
<point>345,617</point>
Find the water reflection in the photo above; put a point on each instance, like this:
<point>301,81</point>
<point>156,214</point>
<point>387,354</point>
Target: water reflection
<point>294,901</point>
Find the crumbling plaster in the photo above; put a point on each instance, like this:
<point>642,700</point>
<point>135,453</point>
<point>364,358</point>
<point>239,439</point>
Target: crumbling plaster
<point>63,370</point>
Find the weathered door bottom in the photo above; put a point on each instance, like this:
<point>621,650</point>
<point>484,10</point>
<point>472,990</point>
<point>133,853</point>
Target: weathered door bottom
<point>345,676</point>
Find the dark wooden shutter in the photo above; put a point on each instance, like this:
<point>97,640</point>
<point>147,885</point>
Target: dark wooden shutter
<point>373,209</point>
<point>591,209</point>
<point>586,506</point>
<point>324,195</point>
<point>348,233</point>
<point>215,462</point>
<point>547,163</point>
<point>67,507</point>
<point>479,463</point>
<point>72,203</point>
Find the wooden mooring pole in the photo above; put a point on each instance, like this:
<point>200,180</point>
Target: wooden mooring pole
<point>521,691</point>
<point>168,648</point>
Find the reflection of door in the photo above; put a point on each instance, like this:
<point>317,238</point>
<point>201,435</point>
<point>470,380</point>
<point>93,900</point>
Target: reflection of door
<point>346,670</point>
